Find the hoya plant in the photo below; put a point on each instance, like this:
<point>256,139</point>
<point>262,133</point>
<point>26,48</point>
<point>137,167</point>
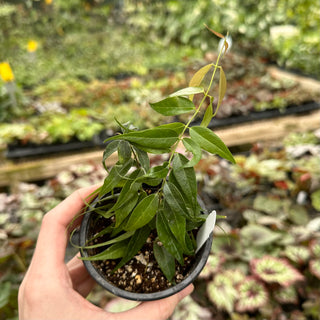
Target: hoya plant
<point>158,204</point>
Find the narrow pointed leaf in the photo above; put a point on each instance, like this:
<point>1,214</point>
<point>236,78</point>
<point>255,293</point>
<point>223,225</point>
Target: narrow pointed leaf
<point>198,77</point>
<point>122,237</point>
<point>210,142</point>
<point>155,175</point>
<point>185,180</point>
<point>174,199</point>
<point>109,150</point>
<point>218,34</point>
<point>129,189</point>
<point>115,251</point>
<point>174,213</point>
<point>143,213</point>
<point>165,260</point>
<point>173,106</point>
<point>207,115</point>
<point>135,244</point>
<point>176,126</point>
<point>156,140</point>
<point>194,148</point>
<point>168,239</point>
<point>222,89</point>
<point>122,213</point>
<point>187,91</point>
<point>143,158</point>
<point>124,151</point>
<point>115,176</point>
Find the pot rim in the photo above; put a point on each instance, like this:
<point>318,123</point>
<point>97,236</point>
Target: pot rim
<point>201,259</point>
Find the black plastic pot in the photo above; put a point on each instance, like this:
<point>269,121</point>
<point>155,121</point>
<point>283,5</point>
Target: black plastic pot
<point>200,261</point>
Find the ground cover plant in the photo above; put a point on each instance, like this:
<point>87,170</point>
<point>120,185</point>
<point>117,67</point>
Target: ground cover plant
<point>285,176</point>
<point>61,111</point>
<point>59,65</point>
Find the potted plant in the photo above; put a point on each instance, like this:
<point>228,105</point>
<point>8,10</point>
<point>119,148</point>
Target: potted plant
<point>145,235</point>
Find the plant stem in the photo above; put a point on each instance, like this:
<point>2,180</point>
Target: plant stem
<point>206,94</point>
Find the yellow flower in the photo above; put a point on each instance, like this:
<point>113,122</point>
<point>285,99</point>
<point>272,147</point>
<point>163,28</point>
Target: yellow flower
<point>48,2</point>
<point>5,72</point>
<point>32,45</point>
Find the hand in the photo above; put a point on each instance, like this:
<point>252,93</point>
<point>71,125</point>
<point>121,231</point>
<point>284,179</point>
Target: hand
<point>54,290</point>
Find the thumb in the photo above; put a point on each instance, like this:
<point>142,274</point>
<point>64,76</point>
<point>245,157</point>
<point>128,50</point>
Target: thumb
<point>155,310</point>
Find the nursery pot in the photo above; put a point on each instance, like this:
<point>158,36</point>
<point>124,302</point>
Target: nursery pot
<point>195,269</point>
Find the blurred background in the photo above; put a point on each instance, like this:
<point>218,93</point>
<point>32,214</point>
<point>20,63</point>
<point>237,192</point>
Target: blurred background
<point>68,68</point>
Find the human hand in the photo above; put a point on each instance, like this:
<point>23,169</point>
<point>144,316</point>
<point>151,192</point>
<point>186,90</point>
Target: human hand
<point>54,290</point>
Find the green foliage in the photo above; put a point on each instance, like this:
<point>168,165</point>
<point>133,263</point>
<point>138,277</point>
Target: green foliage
<point>162,198</point>
<point>274,270</point>
<point>222,292</point>
<point>259,24</point>
<point>252,295</point>
<point>235,188</point>
<point>315,197</point>
<point>262,237</point>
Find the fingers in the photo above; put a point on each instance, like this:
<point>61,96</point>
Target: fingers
<point>81,280</point>
<point>155,310</point>
<point>53,236</point>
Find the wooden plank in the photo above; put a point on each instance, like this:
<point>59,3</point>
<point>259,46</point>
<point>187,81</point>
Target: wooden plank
<point>12,172</point>
<point>268,130</point>
<point>306,83</point>
<point>32,170</point>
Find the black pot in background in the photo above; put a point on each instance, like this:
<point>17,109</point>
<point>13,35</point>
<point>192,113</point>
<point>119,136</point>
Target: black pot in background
<point>200,261</point>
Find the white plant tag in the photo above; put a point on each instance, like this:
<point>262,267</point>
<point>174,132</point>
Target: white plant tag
<point>206,229</point>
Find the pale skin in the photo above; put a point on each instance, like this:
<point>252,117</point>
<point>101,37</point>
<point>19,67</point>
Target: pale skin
<point>54,290</point>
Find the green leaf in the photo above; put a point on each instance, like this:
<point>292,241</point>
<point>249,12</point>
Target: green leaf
<point>174,199</point>
<point>257,235</point>
<point>156,172</point>
<point>299,215</point>
<point>143,212</point>
<point>222,89</point>
<point>122,213</point>
<point>173,106</point>
<point>115,251</point>
<point>130,188</point>
<point>175,212</point>
<point>315,199</point>
<point>187,91</point>
<point>176,126</point>
<point>156,140</point>
<point>124,151</point>
<point>155,175</point>
<point>222,292</point>
<point>193,147</point>
<point>184,178</point>
<point>135,244</point>
<point>198,77</point>
<point>210,142</point>
<point>142,158</point>
<point>207,115</point>
<point>109,150</point>
<point>125,127</point>
<point>165,261</point>
<point>167,238</point>
<point>122,237</point>
<point>115,176</point>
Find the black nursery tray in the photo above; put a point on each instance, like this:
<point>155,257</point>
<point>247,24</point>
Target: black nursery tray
<point>16,151</point>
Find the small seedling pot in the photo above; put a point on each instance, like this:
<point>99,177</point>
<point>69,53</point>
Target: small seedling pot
<point>199,263</point>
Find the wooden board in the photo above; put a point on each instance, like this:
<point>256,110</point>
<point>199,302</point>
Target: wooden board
<point>268,130</point>
<point>11,173</point>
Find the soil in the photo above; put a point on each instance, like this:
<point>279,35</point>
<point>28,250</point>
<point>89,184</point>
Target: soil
<point>142,273</point>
